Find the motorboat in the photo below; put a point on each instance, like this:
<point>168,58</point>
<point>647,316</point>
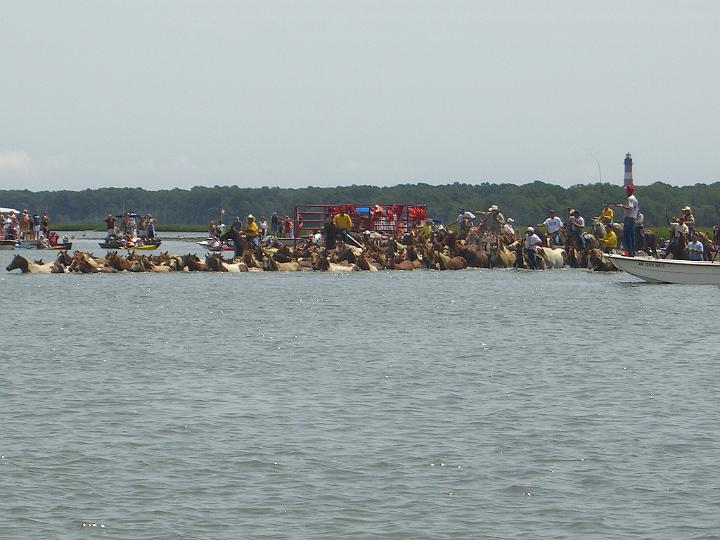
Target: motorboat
<point>37,244</point>
<point>114,242</point>
<point>8,244</point>
<point>212,244</point>
<point>669,270</point>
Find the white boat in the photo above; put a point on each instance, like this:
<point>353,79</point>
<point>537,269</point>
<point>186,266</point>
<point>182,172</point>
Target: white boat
<point>669,270</point>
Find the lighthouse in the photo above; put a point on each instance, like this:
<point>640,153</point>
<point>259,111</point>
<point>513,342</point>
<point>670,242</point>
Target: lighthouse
<point>628,170</point>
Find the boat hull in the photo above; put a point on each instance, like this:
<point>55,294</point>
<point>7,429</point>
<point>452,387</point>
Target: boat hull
<point>144,247</point>
<point>668,270</point>
<point>34,244</point>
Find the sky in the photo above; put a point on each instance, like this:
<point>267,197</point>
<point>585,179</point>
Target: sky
<point>178,93</point>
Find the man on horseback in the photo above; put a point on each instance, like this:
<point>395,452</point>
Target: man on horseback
<point>577,226</point>
<point>553,224</point>
<point>609,241</point>
<point>689,218</point>
<point>607,215</point>
<point>680,234</point>
<point>494,218</point>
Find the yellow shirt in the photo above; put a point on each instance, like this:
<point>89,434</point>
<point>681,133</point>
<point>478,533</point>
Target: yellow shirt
<point>251,229</point>
<point>610,240</point>
<point>342,221</point>
<point>607,215</point>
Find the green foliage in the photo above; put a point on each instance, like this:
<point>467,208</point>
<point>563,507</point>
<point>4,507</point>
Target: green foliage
<point>527,204</point>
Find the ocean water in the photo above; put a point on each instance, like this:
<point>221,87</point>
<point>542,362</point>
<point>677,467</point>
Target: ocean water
<point>472,404</point>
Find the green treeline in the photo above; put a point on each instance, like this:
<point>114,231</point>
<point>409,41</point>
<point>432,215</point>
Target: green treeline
<point>526,203</point>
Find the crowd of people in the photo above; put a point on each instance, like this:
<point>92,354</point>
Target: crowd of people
<point>30,227</point>
<point>25,226</point>
<point>574,230</point>
<point>257,231</point>
<point>130,229</point>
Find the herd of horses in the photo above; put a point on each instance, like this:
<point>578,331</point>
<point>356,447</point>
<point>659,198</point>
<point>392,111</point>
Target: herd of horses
<point>437,250</point>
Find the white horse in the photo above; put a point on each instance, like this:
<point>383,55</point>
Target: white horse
<point>554,257</point>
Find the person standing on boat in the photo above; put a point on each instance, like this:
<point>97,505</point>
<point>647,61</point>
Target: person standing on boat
<point>343,224</point>
<point>150,227</point>
<point>640,232</point>
<point>252,231</point>
<point>630,212</point>
<point>695,248</point>
<point>37,224</point>
<point>263,227</point>
<point>45,223</point>
<point>275,224</point>
<point>110,225</point>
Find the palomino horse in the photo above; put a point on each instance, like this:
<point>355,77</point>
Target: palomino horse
<point>27,267</point>
<point>501,256</point>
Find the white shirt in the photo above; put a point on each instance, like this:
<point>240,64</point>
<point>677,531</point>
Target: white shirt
<point>679,228</point>
<point>695,249</point>
<point>507,229</point>
<point>553,224</point>
<point>465,215</point>
<point>634,205</point>
<point>531,241</point>
<point>578,223</point>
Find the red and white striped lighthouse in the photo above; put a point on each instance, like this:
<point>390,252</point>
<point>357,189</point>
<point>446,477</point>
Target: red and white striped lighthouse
<point>628,171</point>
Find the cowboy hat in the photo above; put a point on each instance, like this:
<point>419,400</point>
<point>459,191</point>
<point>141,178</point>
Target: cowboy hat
<point>492,208</point>
<point>510,220</point>
<point>685,209</point>
<point>530,229</point>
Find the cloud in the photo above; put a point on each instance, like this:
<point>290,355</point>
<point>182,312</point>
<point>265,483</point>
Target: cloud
<point>19,163</point>
<point>15,162</point>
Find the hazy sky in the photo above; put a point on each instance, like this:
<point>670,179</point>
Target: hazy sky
<point>294,93</point>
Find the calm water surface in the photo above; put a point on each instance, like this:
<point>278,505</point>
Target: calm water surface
<point>472,404</point>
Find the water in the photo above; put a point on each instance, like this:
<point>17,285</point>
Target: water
<point>472,404</point>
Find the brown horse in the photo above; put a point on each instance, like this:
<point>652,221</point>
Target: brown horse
<point>597,262</point>
<point>475,257</point>
<point>239,241</point>
<point>451,263</point>
<point>118,262</point>
<point>192,263</point>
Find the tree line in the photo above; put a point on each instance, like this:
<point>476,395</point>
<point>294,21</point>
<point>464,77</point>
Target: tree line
<point>526,204</point>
